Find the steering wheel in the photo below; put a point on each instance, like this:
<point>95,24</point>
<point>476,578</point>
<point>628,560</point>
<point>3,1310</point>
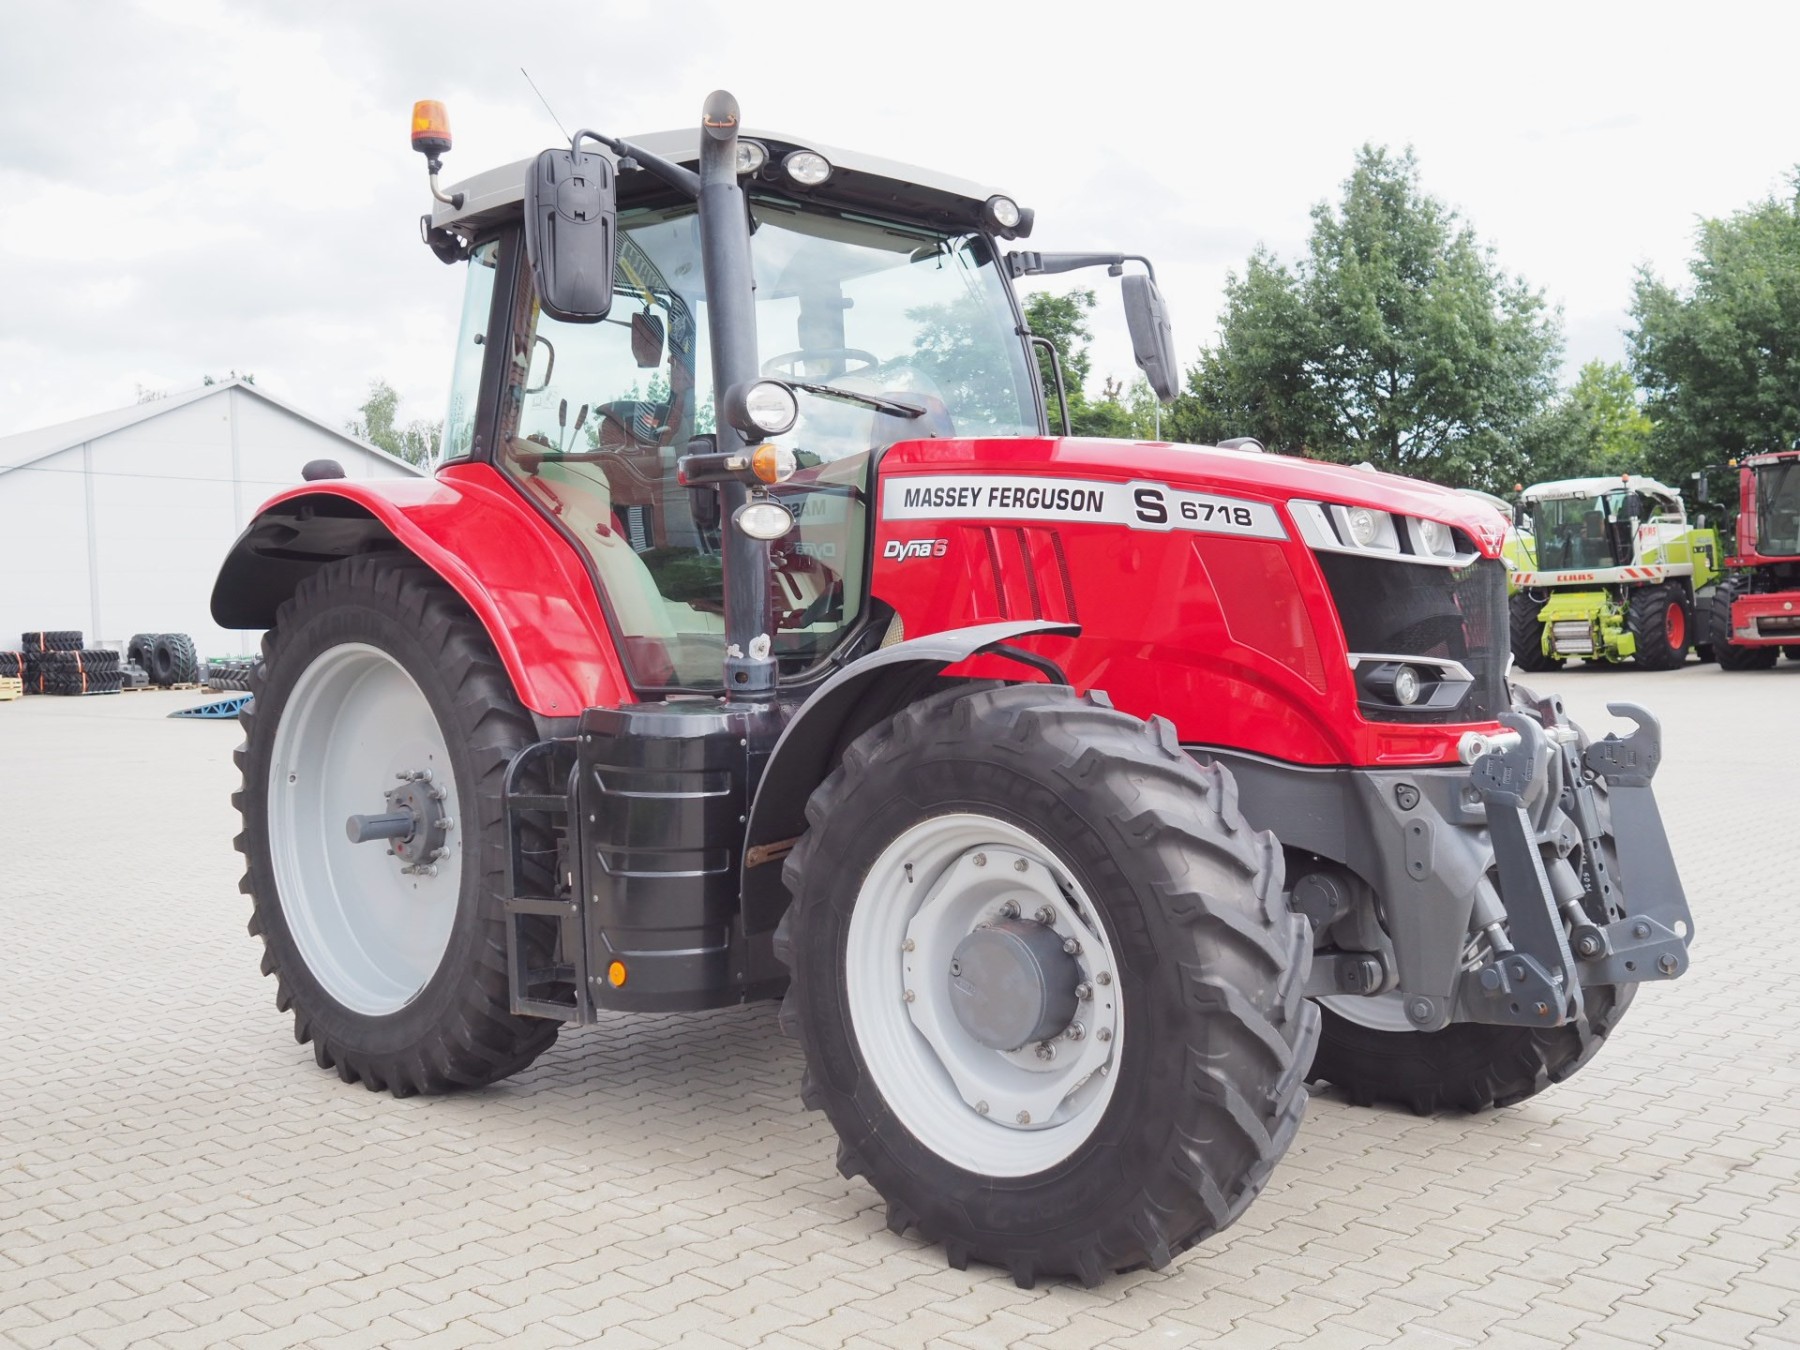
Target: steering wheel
<point>785,364</point>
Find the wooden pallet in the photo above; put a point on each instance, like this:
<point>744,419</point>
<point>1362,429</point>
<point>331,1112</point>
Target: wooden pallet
<point>161,688</point>
<point>11,687</point>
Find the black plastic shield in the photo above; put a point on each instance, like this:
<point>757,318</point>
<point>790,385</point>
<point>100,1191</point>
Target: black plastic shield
<point>571,224</point>
<point>1152,342</point>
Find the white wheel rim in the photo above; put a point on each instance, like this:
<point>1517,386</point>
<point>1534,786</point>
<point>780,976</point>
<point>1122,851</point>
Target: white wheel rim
<point>925,893</point>
<point>370,933</point>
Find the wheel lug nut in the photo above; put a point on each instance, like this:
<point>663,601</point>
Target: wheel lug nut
<point>1084,991</point>
<point>909,996</point>
<point>981,860</point>
<point>907,946</point>
<point>1024,1117</point>
<point>1104,1034</point>
<point>1071,946</point>
<point>981,1108</point>
<point>1075,1032</point>
<point>1010,910</point>
<point>1019,864</point>
<point>1046,1050</point>
<point>1045,915</point>
<point>1104,977</point>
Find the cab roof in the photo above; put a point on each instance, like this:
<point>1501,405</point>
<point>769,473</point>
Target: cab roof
<point>1566,488</point>
<point>857,179</point>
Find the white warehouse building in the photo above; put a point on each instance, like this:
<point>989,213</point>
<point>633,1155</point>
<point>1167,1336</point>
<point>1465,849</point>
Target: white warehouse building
<point>116,524</point>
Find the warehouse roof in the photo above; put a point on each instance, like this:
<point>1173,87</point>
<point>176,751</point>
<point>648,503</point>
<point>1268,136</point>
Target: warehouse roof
<point>27,447</point>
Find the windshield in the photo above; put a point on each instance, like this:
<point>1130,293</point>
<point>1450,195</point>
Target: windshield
<point>1586,532</point>
<point>596,416</point>
<point>1778,509</point>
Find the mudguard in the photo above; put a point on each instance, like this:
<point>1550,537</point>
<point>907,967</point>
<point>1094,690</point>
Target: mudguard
<point>524,581</point>
<point>850,702</point>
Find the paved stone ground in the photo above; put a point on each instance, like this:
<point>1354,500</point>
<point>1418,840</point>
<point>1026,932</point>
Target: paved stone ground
<point>174,1170</point>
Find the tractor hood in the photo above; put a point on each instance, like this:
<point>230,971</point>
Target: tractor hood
<point>1276,479</point>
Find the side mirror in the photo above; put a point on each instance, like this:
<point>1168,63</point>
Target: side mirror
<point>571,224</point>
<point>1151,341</point>
<point>646,340</point>
<point>1700,492</point>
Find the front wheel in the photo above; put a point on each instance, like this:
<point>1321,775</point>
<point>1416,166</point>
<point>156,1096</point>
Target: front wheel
<point>1729,655</point>
<point>1527,633</point>
<point>1048,990</point>
<point>1662,626</point>
<point>380,731</point>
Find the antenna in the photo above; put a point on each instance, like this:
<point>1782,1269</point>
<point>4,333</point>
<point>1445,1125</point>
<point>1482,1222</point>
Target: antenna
<point>541,99</point>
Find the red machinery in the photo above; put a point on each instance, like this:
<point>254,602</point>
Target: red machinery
<point>1756,609</point>
<point>754,639</point>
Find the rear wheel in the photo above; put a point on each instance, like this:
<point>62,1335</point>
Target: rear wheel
<point>172,659</point>
<point>1662,626</point>
<point>379,695</point>
<point>1528,634</point>
<point>1047,987</point>
<point>1725,652</point>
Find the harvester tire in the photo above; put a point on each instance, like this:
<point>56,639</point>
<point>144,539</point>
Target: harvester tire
<point>172,659</point>
<point>1663,626</point>
<point>1729,655</point>
<point>1191,968</point>
<point>1527,634</point>
<point>374,670</point>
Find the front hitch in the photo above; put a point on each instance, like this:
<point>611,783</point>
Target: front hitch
<point>1552,945</point>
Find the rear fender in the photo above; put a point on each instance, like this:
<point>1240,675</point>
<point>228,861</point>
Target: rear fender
<point>862,694</point>
<point>524,582</point>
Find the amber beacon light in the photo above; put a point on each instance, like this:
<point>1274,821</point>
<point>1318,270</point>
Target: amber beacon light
<point>430,128</point>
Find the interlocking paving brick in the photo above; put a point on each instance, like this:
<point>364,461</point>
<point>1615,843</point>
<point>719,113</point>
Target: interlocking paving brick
<point>174,1170</point>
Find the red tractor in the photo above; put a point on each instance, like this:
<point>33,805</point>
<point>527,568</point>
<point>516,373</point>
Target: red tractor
<point>1755,613</point>
<point>755,639</point>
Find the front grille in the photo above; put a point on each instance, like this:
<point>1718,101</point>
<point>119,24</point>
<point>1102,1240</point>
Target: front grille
<point>1572,637</point>
<point>1396,608</point>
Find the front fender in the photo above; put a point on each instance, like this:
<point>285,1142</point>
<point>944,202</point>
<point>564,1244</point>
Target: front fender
<point>865,692</point>
<point>522,579</point>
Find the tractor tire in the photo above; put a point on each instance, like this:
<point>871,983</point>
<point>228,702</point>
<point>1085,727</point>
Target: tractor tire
<point>1185,1086</point>
<point>137,651</point>
<point>375,669</point>
<point>172,659</point>
<point>1792,653</point>
<point>1728,654</point>
<point>1467,1066</point>
<point>61,640</point>
<point>79,672</point>
<point>12,665</point>
<point>1663,625</point>
<point>1528,635</point>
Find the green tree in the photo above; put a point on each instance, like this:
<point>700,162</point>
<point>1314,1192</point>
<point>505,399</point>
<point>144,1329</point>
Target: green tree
<point>1721,363</point>
<point>417,442</point>
<point>1396,339</point>
<point>1595,427</point>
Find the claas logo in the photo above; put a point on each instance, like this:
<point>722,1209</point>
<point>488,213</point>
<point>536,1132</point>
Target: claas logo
<point>899,550</point>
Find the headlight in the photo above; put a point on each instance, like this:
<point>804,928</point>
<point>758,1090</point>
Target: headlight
<point>751,156</point>
<point>1335,528</point>
<point>806,168</point>
<point>1406,686</point>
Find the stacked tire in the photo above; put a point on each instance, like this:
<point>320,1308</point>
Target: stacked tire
<point>79,672</point>
<point>169,658</point>
<point>36,645</point>
<point>232,675</point>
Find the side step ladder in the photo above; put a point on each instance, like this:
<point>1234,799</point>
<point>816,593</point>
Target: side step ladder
<point>560,991</point>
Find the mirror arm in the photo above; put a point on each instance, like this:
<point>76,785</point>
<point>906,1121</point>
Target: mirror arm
<point>1044,344</point>
<point>1024,264</point>
<point>682,180</point>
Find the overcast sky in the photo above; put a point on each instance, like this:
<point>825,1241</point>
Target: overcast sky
<point>196,187</point>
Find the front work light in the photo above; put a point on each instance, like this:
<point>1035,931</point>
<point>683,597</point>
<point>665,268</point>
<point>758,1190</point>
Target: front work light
<point>1002,212</point>
<point>806,167</point>
<point>763,519</point>
<point>751,156</point>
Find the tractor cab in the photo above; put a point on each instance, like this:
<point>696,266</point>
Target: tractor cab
<point>1591,523</point>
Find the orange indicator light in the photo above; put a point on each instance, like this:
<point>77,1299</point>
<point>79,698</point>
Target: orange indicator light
<point>615,973</point>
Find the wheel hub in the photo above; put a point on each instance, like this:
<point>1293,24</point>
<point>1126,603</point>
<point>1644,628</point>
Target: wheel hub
<point>414,824</point>
<point>1012,983</point>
